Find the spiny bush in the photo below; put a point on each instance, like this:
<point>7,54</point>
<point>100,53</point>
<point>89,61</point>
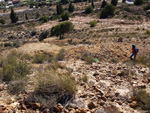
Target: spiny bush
<point>65,16</point>
<point>44,35</point>
<point>93,23</point>
<point>88,9</point>
<point>87,57</point>
<point>41,58</point>
<point>16,44</point>
<point>143,99</point>
<point>14,68</point>
<point>53,87</point>
<point>61,55</point>
<point>107,11</point>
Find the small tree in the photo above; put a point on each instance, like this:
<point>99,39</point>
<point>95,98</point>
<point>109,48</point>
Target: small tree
<point>104,3</point>
<point>114,2</point>
<point>138,2</point>
<point>65,16</point>
<point>61,29</point>
<point>107,11</point>
<point>92,4</point>
<point>59,9</point>
<point>89,9</point>
<point>13,16</point>
<point>71,8</point>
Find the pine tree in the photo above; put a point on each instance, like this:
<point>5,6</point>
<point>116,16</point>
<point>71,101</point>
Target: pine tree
<point>71,8</point>
<point>13,16</point>
<point>26,16</point>
<point>59,9</point>
<point>123,1</point>
<point>104,3</point>
<point>93,4</point>
<point>114,2</point>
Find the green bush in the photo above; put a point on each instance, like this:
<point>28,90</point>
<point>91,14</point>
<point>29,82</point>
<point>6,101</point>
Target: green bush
<point>107,11</point>
<point>61,29</point>
<point>2,21</point>
<point>44,35</point>
<point>147,32</point>
<point>147,7</point>
<point>33,33</point>
<point>93,23</point>
<point>44,19</point>
<point>61,55</point>
<point>138,2</point>
<point>12,37</point>
<point>143,99</point>
<point>127,9</point>
<point>71,8</point>
<point>13,68</point>
<point>53,88</point>
<point>65,16</point>
<point>16,44</point>
<point>7,45</point>
<point>88,9</point>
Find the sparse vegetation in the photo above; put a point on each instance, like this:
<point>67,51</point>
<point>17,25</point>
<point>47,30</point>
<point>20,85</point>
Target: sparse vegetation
<point>143,99</point>
<point>53,88</point>
<point>44,19</point>
<point>61,55</point>
<point>93,24</point>
<point>13,68</point>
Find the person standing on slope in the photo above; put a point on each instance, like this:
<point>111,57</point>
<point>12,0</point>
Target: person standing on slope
<point>134,52</point>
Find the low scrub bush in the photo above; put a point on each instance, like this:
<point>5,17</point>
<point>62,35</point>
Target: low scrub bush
<point>44,35</point>
<point>44,19</point>
<point>147,7</point>
<point>52,88</point>
<point>93,23</point>
<point>127,9</point>
<point>87,57</point>
<point>41,58</point>
<point>2,21</point>
<point>65,16</point>
<point>85,78</point>
<point>17,86</point>
<point>61,55</point>
<point>14,68</point>
<point>33,33</point>
<point>88,9</point>
<point>143,99</point>
<point>147,32</point>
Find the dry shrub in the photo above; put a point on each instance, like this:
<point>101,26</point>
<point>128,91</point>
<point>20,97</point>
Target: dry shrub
<point>53,87</point>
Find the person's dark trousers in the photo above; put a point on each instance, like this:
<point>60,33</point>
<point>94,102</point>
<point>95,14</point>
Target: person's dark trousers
<point>132,56</point>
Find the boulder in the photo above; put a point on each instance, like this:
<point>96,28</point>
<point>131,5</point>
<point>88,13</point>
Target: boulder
<point>91,105</point>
